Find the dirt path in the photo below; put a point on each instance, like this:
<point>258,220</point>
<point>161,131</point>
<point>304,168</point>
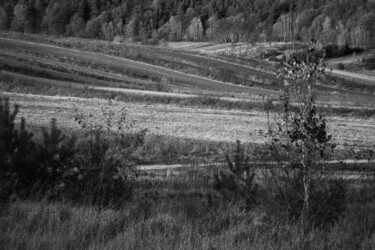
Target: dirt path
<point>348,59</point>
<point>348,162</point>
<point>353,76</point>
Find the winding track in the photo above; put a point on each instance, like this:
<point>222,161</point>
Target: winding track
<point>151,70</point>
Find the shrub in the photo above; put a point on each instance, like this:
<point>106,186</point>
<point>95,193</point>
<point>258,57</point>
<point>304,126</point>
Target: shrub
<point>96,171</point>
<point>340,66</point>
<point>327,200</point>
<point>369,62</point>
<point>54,154</point>
<point>104,165</point>
<point>238,185</point>
<point>28,167</point>
<point>17,171</point>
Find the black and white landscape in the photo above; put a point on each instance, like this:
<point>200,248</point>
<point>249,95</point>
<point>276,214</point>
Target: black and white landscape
<point>187,124</point>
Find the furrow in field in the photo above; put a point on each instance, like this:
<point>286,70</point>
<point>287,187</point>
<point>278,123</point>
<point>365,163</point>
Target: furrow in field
<point>217,64</point>
<point>55,63</point>
<point>148,69</point>
<point>58,83</point>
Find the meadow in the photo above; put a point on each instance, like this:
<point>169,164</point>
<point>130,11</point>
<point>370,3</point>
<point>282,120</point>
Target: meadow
<point>119,106</point>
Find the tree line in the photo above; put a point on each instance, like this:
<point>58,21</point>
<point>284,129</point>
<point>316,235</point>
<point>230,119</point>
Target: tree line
<point>331,22</point>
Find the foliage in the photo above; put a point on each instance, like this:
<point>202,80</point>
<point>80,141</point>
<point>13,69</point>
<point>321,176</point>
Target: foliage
<point>328,199</point>
<point>105,166</point>
<point>239,184</point>
<point>340,66</point>
<point>335,22</point>
<point>17,172</point>
<point>54,154</point>
<point>29,166</point>
<point>3,18</point>
<point>299,139</point>
<point>97,170</point>
<point>195,30</point>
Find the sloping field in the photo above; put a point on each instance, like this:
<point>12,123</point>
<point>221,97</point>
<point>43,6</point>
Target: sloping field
<point>349,59</point>
<point>354,76</point>
<point>211,62</point>
<point>56,83</point>
<point>182,78</point>
<point>34,61</point>
<point>204,47</point>
<point>182,122</point>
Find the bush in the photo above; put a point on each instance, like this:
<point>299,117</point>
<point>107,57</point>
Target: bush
<point>28,166</point>
<point>340,66</point>
<point>238,185</point>
<point>327,200</point>
<point>17,171</point>
<point>105,164</point>
<point>96,171</point>
<point>369,62</point>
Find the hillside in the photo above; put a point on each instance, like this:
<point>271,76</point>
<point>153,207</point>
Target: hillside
<point>343,23</point>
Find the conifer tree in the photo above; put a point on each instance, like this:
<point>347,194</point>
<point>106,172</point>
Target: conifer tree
<point>84,10</point>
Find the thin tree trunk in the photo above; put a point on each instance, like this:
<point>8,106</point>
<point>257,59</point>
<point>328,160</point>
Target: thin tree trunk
<point>306,179</point>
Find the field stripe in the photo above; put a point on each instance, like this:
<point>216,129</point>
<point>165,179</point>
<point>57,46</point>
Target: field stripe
<point>59,83</point>
<point>147,69</point>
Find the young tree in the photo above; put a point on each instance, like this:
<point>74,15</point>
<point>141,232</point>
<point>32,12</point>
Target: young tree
<point>32,19</point>
<point>94,26</point>
<point>84,10</point>
<point>3,18</point>
<point>76,26</point>
<point>175,29</point>
<point>57,16</point>
<point>20,17</point>
<point>108,30</point>
<point>211,22</point>
<point>195,30</point>
<point>301,134</point>
<point>329,35</point>
<point>130,29</point>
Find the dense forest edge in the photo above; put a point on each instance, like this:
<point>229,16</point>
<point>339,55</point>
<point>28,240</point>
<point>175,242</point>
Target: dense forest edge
<point>340,23</point>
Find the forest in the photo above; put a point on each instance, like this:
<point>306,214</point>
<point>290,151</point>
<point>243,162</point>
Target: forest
<point>329,22</point>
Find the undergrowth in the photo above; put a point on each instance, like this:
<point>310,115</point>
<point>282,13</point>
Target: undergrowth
<point>90,204</point>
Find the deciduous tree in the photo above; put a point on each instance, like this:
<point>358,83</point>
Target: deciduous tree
<point>3,18</point>
<point>20,17</point>
<point>195,30</point>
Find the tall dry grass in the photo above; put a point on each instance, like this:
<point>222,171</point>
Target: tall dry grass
<point>176,219</point>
